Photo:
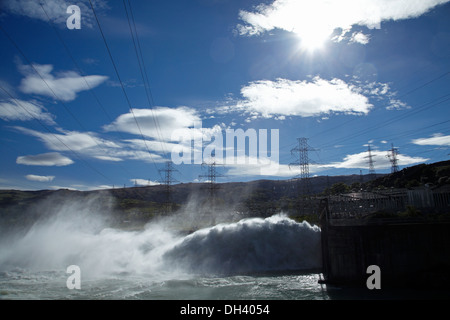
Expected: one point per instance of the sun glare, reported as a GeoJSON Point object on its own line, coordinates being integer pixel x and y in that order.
{"type": "Point", "coordinates": [313, 27]}
{"type": "Point", "coordinates": [313, 39]}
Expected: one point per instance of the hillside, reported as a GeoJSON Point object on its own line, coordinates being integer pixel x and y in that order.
{"type": "Point", "coordinates": [434, 174]}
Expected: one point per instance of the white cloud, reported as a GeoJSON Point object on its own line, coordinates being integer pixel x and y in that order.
{"type": "Point", "coordinates": [157, 146]}
{"type": "Point", "coordinates": [264, 167]}
{"type": "Point", "coordinates": [44, 159]}
{"type": "Point", "coordinates": [64, 187]}
{"type": "Point", "coordinates": [395, 104]}
{"type": "Point", "coordinates": [158, 123]}
{"type": "Point", "coordinates": [282, 97]}
{"type": "Point", "coordinates": [359, 37]}
{"type": "Point", "coordinates": [144, 182]}
{"type": "Point", "coordinates": [55, 9]}
{"type": "Point", "coordinates": [302, 98]}
{"type": "Point", "coordinates": [33, 177]}
{"type": "Point", "coordinates": [82, 187]}
{"type": "Point", "coordinates": [249, 170]}
{"type": "Point", "coordinates": [139, 155]}
{"type": "Point", "coordinates": [321, 18]}
{"type": "Point", "coordinates": [11, 110]}
{"type": "Point", "coordinates": [355, 37]}
{"type": "Point", "coordinates": [108, 158]}
{"type": "Point", "coordinates": [375, 89]}
{"type": "Point", "coordinates": [360, 161]}
{"type": "Point", "coordinates": [167, 130]}
{"type": "Point", "coordinates": [73, 140]}
{"type": "Point", "coordinates": [437, 139]}
{"type": "Point", "coordinates": [89, 144]}
{"type": "Point", "coordinates": [64, 86]}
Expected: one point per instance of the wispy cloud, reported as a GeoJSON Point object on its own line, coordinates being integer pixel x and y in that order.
{"type": "Point", "coordinates": [64, 86]}
{"type": "Point", "coordinates": [88, 144]}
{"type": "Point", "coordinates": [68, 140]}
{"type": "Point", "coordinates": [44, 159]}
{"type": "Point", "coordinates": [437, 139]}
{"type": "Point", "coordinates": [158, 123]}
{"type": "Point", "coordinates": [395, 104]}
{"type": "Point", "coordinates": [157, 146]}
{"type": "Point", "coordinates": [108, 158]}
{"type": "Point", "coordinates": [360, 161]}
{"type": "Point", "coordinates": [11, 110]}
{"type": "Point", "coordinates": [322, 17]}
{"type": "Point", "coordinates": [163, 128]}
{"type": "Point", "coordinates": [33, 177]}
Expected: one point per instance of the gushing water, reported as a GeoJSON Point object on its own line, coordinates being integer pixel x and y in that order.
{"type": "Point", "coordinates": [76, 235]}
{"type": "Point", "coordinates": [249, 246]}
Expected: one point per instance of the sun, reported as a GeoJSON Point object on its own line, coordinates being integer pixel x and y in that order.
{"type": "Point", "coordinates": [313, 39]}
{"type": "Point", "coordinates": [313, 25]}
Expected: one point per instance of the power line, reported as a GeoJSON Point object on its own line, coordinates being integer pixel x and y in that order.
{"type": "Point", "coordinates": [86, 82]}
{"type": "Point", "coordinates": [86, 132]}
{"type": "Point", "coordinates": [76, 64]}
{"type": "Point", "coordinates": [412, 131]}
{"type": "Point", "coordinates": [424, 85]}
{"type": "Point", "coordinates": [121, 83]}
{"type": "Point", "coordinates": [401, 96]}
{"type": "Point", "coordinates": [143, 70]}
{"type": "Point", "coordinates": [421, 108]}
{"type": "Point", "coordinates": [42, 78]}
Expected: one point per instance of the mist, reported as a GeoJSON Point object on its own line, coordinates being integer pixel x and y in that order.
{"type": "Point", "coordinates": [80, 231]}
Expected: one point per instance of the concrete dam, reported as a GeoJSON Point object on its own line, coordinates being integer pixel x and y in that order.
{"type": "Point", "coordinates": [411, 252]}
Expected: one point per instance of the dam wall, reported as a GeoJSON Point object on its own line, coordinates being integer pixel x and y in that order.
{"type": "Point", "coordinates": [409, 254]}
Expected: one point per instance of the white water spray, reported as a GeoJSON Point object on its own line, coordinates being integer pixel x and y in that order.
{"type": "Point", "coordinates": [76, 235]}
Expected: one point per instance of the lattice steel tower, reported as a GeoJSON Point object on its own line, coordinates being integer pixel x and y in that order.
{"type": "Point", "coordinates": [167, 180]}
{"type": "Point", "coordinates": [392, 155]}
{"type": "Point", "coordinates": [371, 162]}
{"type": "Point", "coordinates": [301, 151]}
{"type": "Point", "coordinates": [211, 177]}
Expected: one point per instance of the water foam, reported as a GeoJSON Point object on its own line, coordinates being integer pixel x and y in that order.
{"type": "Point", "coordinates": [251, 245]}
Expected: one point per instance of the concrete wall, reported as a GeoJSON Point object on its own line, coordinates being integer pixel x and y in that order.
{"type": "Point", "coordinates": [411, 255]}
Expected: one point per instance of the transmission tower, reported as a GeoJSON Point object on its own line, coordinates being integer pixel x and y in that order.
{"type": "Point", "coordinates": [167, 180]}
{"type": "Point", "coordinates": [371, 162]}
{"type": "Point", "coordinates": [392, 155]}
{"type": "Point", "coordinates": [301, 152]}
{"type": "Point", "coordinates": [211, 176]}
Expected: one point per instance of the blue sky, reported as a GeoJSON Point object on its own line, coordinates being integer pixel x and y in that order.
{"type": "Point", "coordinates": [343, 74]}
